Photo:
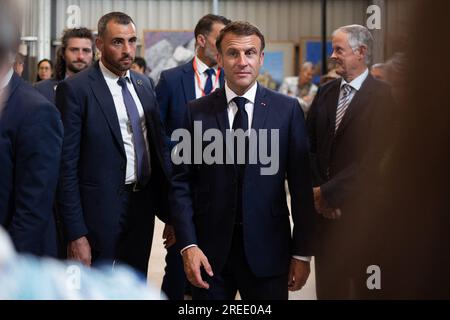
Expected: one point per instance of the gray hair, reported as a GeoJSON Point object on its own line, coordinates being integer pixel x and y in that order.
{"type": "Point", "coordinates": [307, 65]}
{"type": "Point", "coordinates": [358, 36]}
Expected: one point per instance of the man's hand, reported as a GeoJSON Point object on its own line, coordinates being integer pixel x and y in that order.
{"type": "Point", "coordinates": [169, 236]}
{"type": "Point", "coordinates": [322, 207]}
{"type": "Point", "coordinates": [80, 250]}
{"type": "Point", "coordinates": [298, 274]}
{"type": "Point", "coordinates": [193, 259]}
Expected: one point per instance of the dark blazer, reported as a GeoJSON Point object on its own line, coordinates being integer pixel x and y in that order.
{"type": "Point", "coordinates": [31, 135]}
{"type": "Point", "coordinates": [337, 159]}
{"type": "Point", "coordinates": [176, 87]}
{"type": "Point", "coordinates": [94, 161]}
{"type": "Point", "coordinates": [203, 195]}
{"type": "Point", "coordinates": [47, 88]}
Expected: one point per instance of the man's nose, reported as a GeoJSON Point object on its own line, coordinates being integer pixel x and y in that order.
{"type": "Point", "coordinates": [242, 59]}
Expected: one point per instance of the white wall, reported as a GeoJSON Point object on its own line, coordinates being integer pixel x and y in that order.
{"type": "Point", "coordinates": [278, 20]}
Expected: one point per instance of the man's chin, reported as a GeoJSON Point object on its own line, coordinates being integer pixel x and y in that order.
{"type": "Point", "coordinates": [76, 69]}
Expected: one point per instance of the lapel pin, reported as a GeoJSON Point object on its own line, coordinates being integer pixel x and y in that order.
{"type": "Point", "coordinates": [263, 104]}
{"type": "Point", "coordinates": [139, 82]}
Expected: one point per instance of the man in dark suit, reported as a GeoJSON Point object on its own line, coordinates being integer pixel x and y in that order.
{"type": "Point", "coordinates": [75, 54]}
{"type": "Point", "coordinates": [31, 136]}
{"type": "Point", "coordinates": [176, 87]}
{"type": "Point", "coordinates": [340, 126]}
{"type": "Point", "coordinates": [114, 165]}
{"type": "Point", "coordinates": [232, 219]}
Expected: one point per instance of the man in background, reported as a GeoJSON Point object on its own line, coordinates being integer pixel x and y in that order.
{"type": "Point", "coordinates": [176, 87]}
{"type": "Point", "coordinates": [301, 86]}
{"type": "Point", "coordinates": [75, 54]}
{"type": "Point", "coordinates": [340, 126]}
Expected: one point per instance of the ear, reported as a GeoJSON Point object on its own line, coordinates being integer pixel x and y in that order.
{"type": "Point", "coordinates": [99, 44]}
{"type": "Point", "coordinates": [362, 51]}
{"type": "Point", "coordinates": [201, 40]}
{"type": "Point", "coordinates": [262, 58]}
{"type": "Point", "coordinates": [219, 59]}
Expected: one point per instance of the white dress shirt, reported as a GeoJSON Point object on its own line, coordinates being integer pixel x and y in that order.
{"type": "Point", "coordinates": [201, 71]}
{"type": "Point", "coordinates": [250, 95]}
{"type": "Point", "coordinates": [125, 125]}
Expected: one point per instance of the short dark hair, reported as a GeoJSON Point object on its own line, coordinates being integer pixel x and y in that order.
{"type": "Point", "coordinates": [204, 25]}
{"type": "Point", "coordinates": [118, 17]}
{"type": "Point", "coordinates": [140, 62]}
{"type": "Point", "coordinates": [60, 64]}
{"type": "Point", "coordinates": [240, 28]}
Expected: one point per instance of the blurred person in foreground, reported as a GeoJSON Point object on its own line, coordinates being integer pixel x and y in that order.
{"type": "Point", "coordinates": [31, 136]}
{"type": "Point", "coordinates": [405, 226]}
{"type": "Point", "coordinates": [25, 277]}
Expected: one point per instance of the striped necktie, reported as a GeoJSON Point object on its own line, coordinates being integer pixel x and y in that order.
{"type": "Point", "coordinates": [343, 104]}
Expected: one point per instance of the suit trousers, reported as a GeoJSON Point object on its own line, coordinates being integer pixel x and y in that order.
{"type": "Point", "coordinates": [135, 231]}
{"type": "Point", "coordinates": [237, 276]}
{"type": "Point", "coordinates": [174, 281]}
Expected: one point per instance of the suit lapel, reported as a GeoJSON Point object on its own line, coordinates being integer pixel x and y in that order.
{"type": "Point", "coordinates": [331, 104]}
{"type": "Point", "coordinates": [143, 95]}
{"type": "Point", "coordinates": [221, 112]}
{"type": "Point", "coordinates": [103, 95]}
{"type": "Point", "coordinates": [146, 100]}
{"type": "Point", "coordinates": [260, 108]}
{"type": "Point", "coordinates": [361, 99]}
{"type": "Point", "coordinates": [188, 82]}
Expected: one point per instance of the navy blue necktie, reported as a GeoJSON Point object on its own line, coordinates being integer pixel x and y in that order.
{"type": "Point", "coordinates": [209, 84]}
{"type": "Point", "coordinates": [240, 122]}
{"type": "Point", "coordinates": [241, 117]}
{"type": "Point", "coordinates": [143, 163]}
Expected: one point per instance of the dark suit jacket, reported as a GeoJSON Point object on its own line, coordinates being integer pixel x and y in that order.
{"type": "Point", "coordinates": [94, 160]}
{"type": "Point", "coordinates": [341, 167]}
{"type": "Point", "coordinates": [337, 158]}
{"type": "Point", "coordinates": [31, 135]}
{"type": "Point", "coordinates": [47, 88]}
{"type": "Point", "coordinates": [203, 195]}
{"type": "Point", "coordinates": [176, 87]}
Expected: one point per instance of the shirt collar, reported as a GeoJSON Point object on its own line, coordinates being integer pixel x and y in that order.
{"type": "Point", "coordinates": [202, 67]}
{"type": "Point", "coordinates": [250, 95]}
{"type": "Point", "coordinates": [357, 82]}
{"type": "Point", "coordinates": [5, 81]}
{"type": "Point", "coordinates": [109, 75]}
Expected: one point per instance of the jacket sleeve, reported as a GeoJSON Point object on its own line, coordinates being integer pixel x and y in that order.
{"type": "Point", "coordinates": [181, 192]}
{"type": "Point", "coordinates": [38, 151]}
{"type": "Point", "coordinates": [300, 185]}
{"type": "Point", "coordinates": [69, 199]}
